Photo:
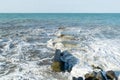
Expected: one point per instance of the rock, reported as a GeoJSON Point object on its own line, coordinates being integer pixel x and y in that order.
{"type": "Point", "coordinates": [57, 55]}
{"type": "Point", "coordinates": [64, 61]}
{"type": "Point", "coordinates": [90, 76]}
{"type": "Point", "coordinates": [57, 66]}
{"type": "Point", "coordinates": [69, 60]}
{"type": "Point", "coordinates": [96, 67]}
{"type": "Point", "coordinates": [101, 75]}
{"type": "Point", "coordinates": [79, 78]}
{"type": "Point", "coordinates": [66, 37]}
{"type": "Point", "coordinates": [111, 75]}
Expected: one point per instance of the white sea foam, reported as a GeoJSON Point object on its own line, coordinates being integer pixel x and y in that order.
{"type": "Point", "coordinates": [98, 51]}
{"type": "Point", "coordinates": [27, 54]}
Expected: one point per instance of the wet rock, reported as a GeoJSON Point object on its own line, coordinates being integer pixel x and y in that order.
{"type": "Point", "coordinates": [64, 61]}
{"type": "Point", "coordinates": [111, 75]}
{"type": "Point", "coordinates": [90, 76]}
{"type": "Point", "coordinates": [57, 55]}
{"type": "Point", "coordinates": [57, 66]}
{"type": "Point", "coordinates": [66, 37]}
{"type": "Point", "coordinates": [79, 78]}
{"type": "Point", "coordinates": [69, 60]}
{"type": "Point", "coordinates": [101, 75]}
{"type": "Point", "coordinates": [96, 67]}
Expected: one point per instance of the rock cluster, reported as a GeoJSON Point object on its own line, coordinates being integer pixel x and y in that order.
{"type": "Point", "coordinates": [64, 61]}
{"type": "Point", "coordinates": [101, 75]}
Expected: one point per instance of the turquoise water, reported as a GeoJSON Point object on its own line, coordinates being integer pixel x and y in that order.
{"type": "Point", "coordinates": [84, 20]}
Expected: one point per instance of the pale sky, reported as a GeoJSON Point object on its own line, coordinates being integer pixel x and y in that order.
{"type": "Point", "coordinates": [60, 6]}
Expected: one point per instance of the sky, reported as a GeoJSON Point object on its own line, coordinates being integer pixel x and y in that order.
{"type": "Point", "coordinates": [59, 6]}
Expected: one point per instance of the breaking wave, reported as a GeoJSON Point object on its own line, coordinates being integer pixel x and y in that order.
{"type": "Point", "coordinates": [27, 48]}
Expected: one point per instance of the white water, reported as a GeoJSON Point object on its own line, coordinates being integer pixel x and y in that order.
{"type": "Point", "coordinates": [91, 49]}
{"type": "Point", "coordinates": [27, 54]}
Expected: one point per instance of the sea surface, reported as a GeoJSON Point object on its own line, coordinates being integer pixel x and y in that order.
{"type": "Point", "coordinates": [28, 42]}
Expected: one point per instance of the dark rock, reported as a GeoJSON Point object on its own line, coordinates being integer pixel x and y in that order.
{"type": "Point", "coordinates": [111, 75]}
{"type": "Point", "coordinates": [79, 78]}
{"type": "Point", "coordinates": [57, 55]}
{"type": "Point", "coordinates": [69, 60]}
{"type": "Point", "coordinates": [97, 67]}
{"type": "Point", "coordinates": [90, 76]}
{"type": "Point", "coordinates": [57, 66]}
{"type": "Point", "coordinates": [63, 60]}
{"type": "Point", "coordinates": [101, 75]}
{"type": "Point", "coordinates": [74, 78]}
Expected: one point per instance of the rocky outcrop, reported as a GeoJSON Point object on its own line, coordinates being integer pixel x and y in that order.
{"type": "Point", "coordinates": [63, 61]}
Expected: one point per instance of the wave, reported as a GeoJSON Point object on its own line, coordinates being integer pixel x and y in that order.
{"type": "Point", "coordinates": [28, 53]}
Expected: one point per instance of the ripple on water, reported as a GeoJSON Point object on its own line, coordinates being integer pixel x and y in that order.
{"type": "Point", "coordinates": [6, 67]}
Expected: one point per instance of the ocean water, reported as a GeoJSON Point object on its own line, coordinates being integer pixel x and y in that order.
{"type": "Point", "coordinates": [28, 42]}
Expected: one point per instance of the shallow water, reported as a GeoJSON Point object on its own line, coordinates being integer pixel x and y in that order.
{"type": "Point", "coordinates": [28, 43]}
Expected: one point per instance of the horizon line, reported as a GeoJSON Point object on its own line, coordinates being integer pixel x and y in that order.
{"type": "Point", "coordinates": [60, 12]}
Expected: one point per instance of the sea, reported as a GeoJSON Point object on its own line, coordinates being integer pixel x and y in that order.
{"type": "Point", "coordinates": [28, 42]}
